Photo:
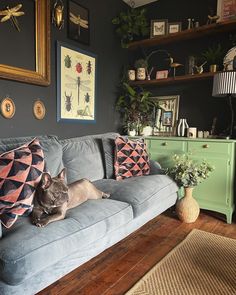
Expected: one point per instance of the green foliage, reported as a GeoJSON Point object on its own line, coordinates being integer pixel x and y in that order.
{"type": "Point", "coordinates": [141, 63]}
{"type": "Point", "coordinates": [131, 24]}
{"type": "Point", "coordinates": [135, 105]}
{"type": "Point", "coordinates": [189, 173]}
{"type": "Point", "coordinates": [214, 55]}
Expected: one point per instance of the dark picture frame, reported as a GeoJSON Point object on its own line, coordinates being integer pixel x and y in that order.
{"type": "Point", "coordinates": [78, 23]}
{"type": "Point", "coordinates": [158, 27]}
{"type": "Point", "coordinates": [174, 27]}
{"type": "Point", "coordinates": [76, 84]}
{"type": "Point", "coordinates": [41, 74]}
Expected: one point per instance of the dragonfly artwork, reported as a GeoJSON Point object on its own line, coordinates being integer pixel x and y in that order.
{"type": "Point", "coordinates": [74, 83]}
{"type": "Point", "coordinates": [11, 14]}
{"type": "Point", "coordinates": [81, 23]}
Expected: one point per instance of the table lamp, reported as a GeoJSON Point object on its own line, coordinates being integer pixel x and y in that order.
{"type": "Point", "coordinates": [224, 85]}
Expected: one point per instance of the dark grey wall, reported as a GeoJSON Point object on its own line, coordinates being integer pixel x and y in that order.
{"type": "Point", "coordinates": [103, 42]}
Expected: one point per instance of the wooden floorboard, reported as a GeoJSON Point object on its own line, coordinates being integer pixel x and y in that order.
{"type": "Point", "coordinates": [117, 269]}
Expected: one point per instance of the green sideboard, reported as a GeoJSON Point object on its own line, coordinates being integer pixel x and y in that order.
{"type": "Point", "coordinates": [217, 192]}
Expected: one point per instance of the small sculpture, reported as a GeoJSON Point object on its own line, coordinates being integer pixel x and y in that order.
{"type": "Point", "coordinates": [198, 69]}
{"type": "Point", "coordinates": [10, 14]}
{"type": "Point", "coordinates": [212, 19]}
{"type": "Point", "coordinates": [57, 14]}
{"type": "Point", "coordinates": [175, 65]}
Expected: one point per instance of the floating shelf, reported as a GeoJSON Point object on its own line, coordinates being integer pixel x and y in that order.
{"type": "Point", "coordinates": [195, 33]}
{"type": "Point", "coordinates": [171, 80]}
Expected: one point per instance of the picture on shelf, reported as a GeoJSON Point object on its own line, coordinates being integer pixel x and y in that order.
{"type": "Point", "coordinates": [226, 9]}
{"type": "Point", "coordinates": [158, 27]}
{"type": "Point", "coordinates": [166, 115]}
{"type": "Point", "coordinates": [174, 27]}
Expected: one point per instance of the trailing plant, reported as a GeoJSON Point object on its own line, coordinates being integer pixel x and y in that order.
{"type": "Point", "coordinates": [189, 173]}
{"type": "Point", "coordinates": [141, 63]}
{"type": "Point", "coordinates": [214, 55]}
{"type": "Point", "coordinates": [130, 24]}
{"type": "Point", "coordinates": [135, 106]}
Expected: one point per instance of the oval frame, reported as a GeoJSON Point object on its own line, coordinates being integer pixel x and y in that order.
{"type": "Point", "coordinates": [8, 114]}
{"type": "Point", "coordinates": [39, 115]}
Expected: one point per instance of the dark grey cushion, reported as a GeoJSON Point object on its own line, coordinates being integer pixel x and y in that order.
{"type": "Point", "coordinates": [109, 156]}
{"type": "Point", "coordinates": [51, 147]}
{"type": "Point", "coordinates": [26, 249]}
{"type": "Point", "coordinates": [141, 192]}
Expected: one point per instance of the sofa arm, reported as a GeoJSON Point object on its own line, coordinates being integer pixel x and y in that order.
{"type": "Point", "coordinates": [155, 168]}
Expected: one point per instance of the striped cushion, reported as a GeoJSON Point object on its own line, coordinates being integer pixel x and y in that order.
{"type": "Point", "coordinates": [131, 158]}
{"type": "Point", "coordinates": [20, 172]}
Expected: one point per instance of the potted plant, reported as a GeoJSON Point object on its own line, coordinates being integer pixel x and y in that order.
{"type": "Point", "coordinates": [214, 56]}
{"type": "Point", "coordinates": [130, 24]}
{"type": "Point", "coordinates": [188, 174]}
{"type": "Point", "coordinates": [141, 66]}
{"type": "Point", "coordinates": [135, 106]}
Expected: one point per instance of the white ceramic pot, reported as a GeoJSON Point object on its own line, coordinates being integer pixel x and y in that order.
{"type": "Point", "coordinates": [141, 74]}
{"type": "Point", "coordinates": [131, 75]}
{"type": "Point", "coordinates": [147, 131]}
{"type": "Point", "coordinates": [131, 132]}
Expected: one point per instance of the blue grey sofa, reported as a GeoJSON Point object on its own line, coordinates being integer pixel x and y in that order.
{"type": "Point", "coordinates": [32, 258]}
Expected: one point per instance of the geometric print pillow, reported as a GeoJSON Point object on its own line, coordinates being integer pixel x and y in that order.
{"type": "Point", "coordinates": [131, 158]}
{"type": "Point", "coordinates": [20, 172]}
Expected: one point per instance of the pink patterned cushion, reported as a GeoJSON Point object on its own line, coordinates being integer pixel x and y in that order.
{"type": "Point", "coordinates": [20, 172]}
{"type": "Point", "coordinates": [131, 158]}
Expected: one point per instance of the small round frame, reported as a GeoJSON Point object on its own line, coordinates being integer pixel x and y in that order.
{"type": "Point", "coordinates": [39, 110]}
{"type": "Point", "coordinates": [8, 108]}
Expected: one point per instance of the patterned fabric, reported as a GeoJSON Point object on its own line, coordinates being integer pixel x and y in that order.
{"type": "Point", "coordinates": [20, 172]}
{"type": "Point", "coordinates": [131, 158]}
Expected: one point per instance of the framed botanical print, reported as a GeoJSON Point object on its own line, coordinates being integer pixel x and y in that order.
{"type": "Point", "coordinates": [166, 115]}
{"type": "Point", "coordinates": [78, 22]}
{"type": "Point", "coordinates": [76, 84]}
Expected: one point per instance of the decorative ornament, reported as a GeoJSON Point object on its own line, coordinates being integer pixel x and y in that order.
{"type": "Point", "coordinates": [7, 108]}
{"type": "Point", "coordinates": [77, 20]}
{"type": "Point", "coordinates": [58, 14]}
{"type": "Point", "coordinates": [10, 14]}
{"type": "Point", "coordinates": [39, 109]}
{"type": "Point", "coordinates": [229, 61]}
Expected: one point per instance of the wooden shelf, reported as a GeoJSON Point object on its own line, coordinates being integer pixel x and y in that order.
{"type": "Point", "coordinates": [195, 33]}
{"type": "Point", "coordinates": [171, 80]}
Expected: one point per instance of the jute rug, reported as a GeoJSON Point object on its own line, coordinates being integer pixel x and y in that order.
{"type": "Point", "coordinates": [203, 263]}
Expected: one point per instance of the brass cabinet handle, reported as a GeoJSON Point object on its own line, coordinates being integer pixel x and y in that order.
{"type": "Point", "coordinates": [206, 146]}
{"type": "Point", "coordinates": [165, 143]}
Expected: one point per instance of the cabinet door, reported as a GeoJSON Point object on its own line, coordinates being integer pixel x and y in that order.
{"type": "Point", "coordinates": [162, 150]}
{"type": "Point", "coordinates": [214, 192]}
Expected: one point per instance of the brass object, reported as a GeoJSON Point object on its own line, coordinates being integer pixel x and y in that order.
{"type": "Point", "coordinates": [198, 69]}
{"type": "Point", "coordinates": [206, 146]}
{"type": "Point", "coordinates": [212, 19]}
{"type": "Point", "coordinates": [8, 108]}
{"type": "Point", "coordinates": [213, 68]}
{"type": "Point", "coordinates": [39, 109]}
{"type": "Point", "coordinates": [58, 14]}
{"type": "Point", "coordinates": [10, 14]}
{"type": "Point", "coordinates": [41, 74]}
{"type": "Point", "coordinates": [165, 144]}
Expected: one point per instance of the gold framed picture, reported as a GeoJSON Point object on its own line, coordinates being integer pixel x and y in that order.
{"type": "Point", "coordinates": [39, 109]}
{"type": "Point", "coordinates": [8, 108]}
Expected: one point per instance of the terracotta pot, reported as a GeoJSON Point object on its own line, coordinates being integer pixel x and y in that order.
{"type": "Point", "coordinates": [213, 68]}
{"type": "Point", "coordinates": [187, 208]}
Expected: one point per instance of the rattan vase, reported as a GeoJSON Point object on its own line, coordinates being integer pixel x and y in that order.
{"type": "Point", "coordinates": [187, 208]}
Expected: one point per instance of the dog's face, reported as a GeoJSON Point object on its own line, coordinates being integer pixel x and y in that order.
{"type": "Point", "coordinates": [53, 192]}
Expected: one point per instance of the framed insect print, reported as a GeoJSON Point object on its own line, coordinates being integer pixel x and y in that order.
{"type": "Point", "coordinates": [166, 115]}
{"type": "Point", "coordinates": [158, 27]}
{"type": "Point", "coordinates": [76, 84]}
{"type": "Point", "coordinates": [78, 23]}
{"type": "Point", "coordinates": [25, 39]}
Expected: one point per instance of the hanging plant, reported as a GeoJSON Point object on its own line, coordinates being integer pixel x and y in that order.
{"type": "Point", "coordinates": [131, 24]}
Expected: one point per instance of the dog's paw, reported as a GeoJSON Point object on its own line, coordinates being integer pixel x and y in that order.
{"type": "Point", "coordinates": [41, 223]}
{"type": "Point", "coordinates": [105, 195]}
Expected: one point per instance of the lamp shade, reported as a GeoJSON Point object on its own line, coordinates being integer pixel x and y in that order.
{"type": "Point", "coordinates": [224, 84]}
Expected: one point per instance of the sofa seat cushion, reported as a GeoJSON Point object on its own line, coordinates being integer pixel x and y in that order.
{"type": "Point", "coordinates": [27, 249]}
{"type": "Point", "coordinates": [141, 192]}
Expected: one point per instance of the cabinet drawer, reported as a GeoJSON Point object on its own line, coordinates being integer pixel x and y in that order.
{"type": "Point", "coordinates": [208, 147]}
{"type": "Point", "coordinates": [168, 145]}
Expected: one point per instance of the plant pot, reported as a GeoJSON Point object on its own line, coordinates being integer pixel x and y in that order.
{"type": "Point", "coordinates": [187, 208]}
{"type": "Point", "coordinates": [141, 74]}
{"type": "Point", "coordinates": [132, 132]}
{"type": "Point", "coordinates": [213, 68]}
{"type": "Point", "coordinates": [147, 131]}
{"type": "Point", "coordinates": [131, 75]}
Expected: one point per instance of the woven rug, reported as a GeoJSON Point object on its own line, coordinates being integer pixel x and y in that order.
{"type": "Point", "coordinates": [203, 263]}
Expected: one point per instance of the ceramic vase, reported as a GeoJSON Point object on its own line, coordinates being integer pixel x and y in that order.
{"type": "Point", "coordinates": [182, 127]}
{"type": "Point", "coordinates": [141, 74]}
{"type": "Point", "coordinates": [187, 208]}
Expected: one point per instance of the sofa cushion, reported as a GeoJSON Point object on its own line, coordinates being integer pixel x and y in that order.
{"type": "Point", "coordinates": [20, 172]}
{"type": "Point", "coordinates": [131, 158]}
{"type": "Point", "coordinates": [51, 147]}
{"type": "Point", "coordinates": [141, 192]}
{"type": "Point", "coordinates": [27, 249]}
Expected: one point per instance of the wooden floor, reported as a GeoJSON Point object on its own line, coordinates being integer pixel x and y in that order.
{"type": "Point", "coordinates": [115, 270]}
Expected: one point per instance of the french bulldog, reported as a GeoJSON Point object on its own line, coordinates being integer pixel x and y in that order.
{"type": "Point", "coordinates": [54, 197]}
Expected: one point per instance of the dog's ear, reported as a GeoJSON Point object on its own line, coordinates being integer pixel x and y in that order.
{"type": "Point", "coordinates": [62, 174]}
{"type": "Point", "coordinates": [46, 180]}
